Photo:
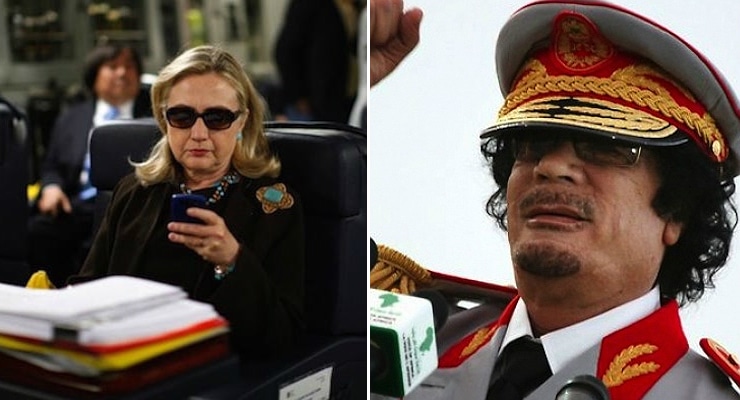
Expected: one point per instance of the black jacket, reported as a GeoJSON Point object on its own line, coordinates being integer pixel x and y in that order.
{"type": "Point", "coordinates": [262, 298]}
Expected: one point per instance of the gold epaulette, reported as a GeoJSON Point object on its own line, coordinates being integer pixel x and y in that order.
{"type": "Point", "coordinates": [397, 273]}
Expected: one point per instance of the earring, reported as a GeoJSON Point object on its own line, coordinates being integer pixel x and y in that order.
{"type": "Point", "coordinates": [239, 136]}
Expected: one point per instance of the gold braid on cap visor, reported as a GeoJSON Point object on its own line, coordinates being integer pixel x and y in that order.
{"type": "Point", "coordinates": [397, 273]}
{"type": "Point", "coordinates": [631, 84]}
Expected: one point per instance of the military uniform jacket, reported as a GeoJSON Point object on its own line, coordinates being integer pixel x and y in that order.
{"type": "Point", "coordinates": [262, 298]}
{"type": "Point", "coordinates": [649, 359]}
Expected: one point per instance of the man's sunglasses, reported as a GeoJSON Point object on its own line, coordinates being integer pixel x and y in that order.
{"type": "Point", "coordinates": [594, 150]}
{"type": "Point", "coordinates": [214, 118]}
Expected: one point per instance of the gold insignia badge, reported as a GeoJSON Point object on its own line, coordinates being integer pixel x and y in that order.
{"type": "Point", "coordinates": [620, 370]}
{"type": "Point", "coordinates": [479, 339]}
{"type": "Point", "coordinates": [578, 44]}
{"type": "Point", "coordinates": [274, 197]}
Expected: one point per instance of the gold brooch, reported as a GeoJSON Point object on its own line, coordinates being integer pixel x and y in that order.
{"type": "Point", "coordinates": [274, 197]}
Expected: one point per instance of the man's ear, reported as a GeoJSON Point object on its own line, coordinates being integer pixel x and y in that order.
{"type": "Point", "coordinates": [672, 232]}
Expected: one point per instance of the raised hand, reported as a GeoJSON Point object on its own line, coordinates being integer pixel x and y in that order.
{"type": "Point", "coordinates": [393, 34]}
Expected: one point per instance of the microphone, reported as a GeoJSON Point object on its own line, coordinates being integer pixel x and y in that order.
{"type": "Point", "coordinates": [403, 344]}
{"type": "Point", "coordinates": [440, 309]}
{"type": "Point", "coordinates": [583, 387]}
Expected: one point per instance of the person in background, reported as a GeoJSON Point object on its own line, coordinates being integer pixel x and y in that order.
{"type": "Point", "coordinates": [60, 228]}
{"type": "Point", "coordinates": [613, 158]}
{"type": "Point", "coordinates": [245, 251]}
{"type": "Point", "coordinates": [316, 60]}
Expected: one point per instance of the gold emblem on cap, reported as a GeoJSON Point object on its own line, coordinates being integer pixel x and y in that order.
{"type": "Point", "coordinates": [578, 44]}
{"type": "Point", "coordinates": [274, 197]}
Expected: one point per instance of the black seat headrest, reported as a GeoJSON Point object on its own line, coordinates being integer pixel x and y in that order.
{"type": "Point", "coordinates": [124, 140]}
{"type": "Point", "coordinates": [324, 164]}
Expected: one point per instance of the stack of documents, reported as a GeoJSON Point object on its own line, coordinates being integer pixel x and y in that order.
{"type": "Point", "coordinates": [95, 331]}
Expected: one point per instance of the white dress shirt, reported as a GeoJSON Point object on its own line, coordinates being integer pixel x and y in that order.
{"type": "Point", "coordinates": [564, 345]}
{"type": "Point", "coordinates": [102, 108]}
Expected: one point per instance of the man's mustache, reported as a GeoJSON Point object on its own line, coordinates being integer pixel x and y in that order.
{"type": "Point", "coordinates": [546, 197]}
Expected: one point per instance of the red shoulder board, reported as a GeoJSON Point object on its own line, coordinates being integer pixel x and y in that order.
{"type": "Point", "coordinates": [726, 361]}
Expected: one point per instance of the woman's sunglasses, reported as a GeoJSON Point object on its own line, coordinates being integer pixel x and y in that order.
{"type": "Point", "coordinates": [214, 118]}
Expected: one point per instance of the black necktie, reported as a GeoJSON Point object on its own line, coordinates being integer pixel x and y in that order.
{"type": "Point", "coordinates": [520, 369]}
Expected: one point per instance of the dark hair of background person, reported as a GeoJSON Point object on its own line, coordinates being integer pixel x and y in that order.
{"type": "Point", "coordinates": [692, 191]}
{"type": "Point", "coordinates": [102, 54]}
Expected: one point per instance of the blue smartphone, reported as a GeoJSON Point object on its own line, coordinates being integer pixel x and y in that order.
{"type": "Point", "coordinates": [181, 202]}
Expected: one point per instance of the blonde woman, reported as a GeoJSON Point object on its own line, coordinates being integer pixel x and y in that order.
{"type": "Point", "coordinates": [243, 251]}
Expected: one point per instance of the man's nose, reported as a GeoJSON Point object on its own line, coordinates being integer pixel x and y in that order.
{"type": "Point", "coordinates": [558, 162]}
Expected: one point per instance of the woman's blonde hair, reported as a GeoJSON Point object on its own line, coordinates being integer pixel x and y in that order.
{"type": "Point", "coordinates": [252, 156]}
